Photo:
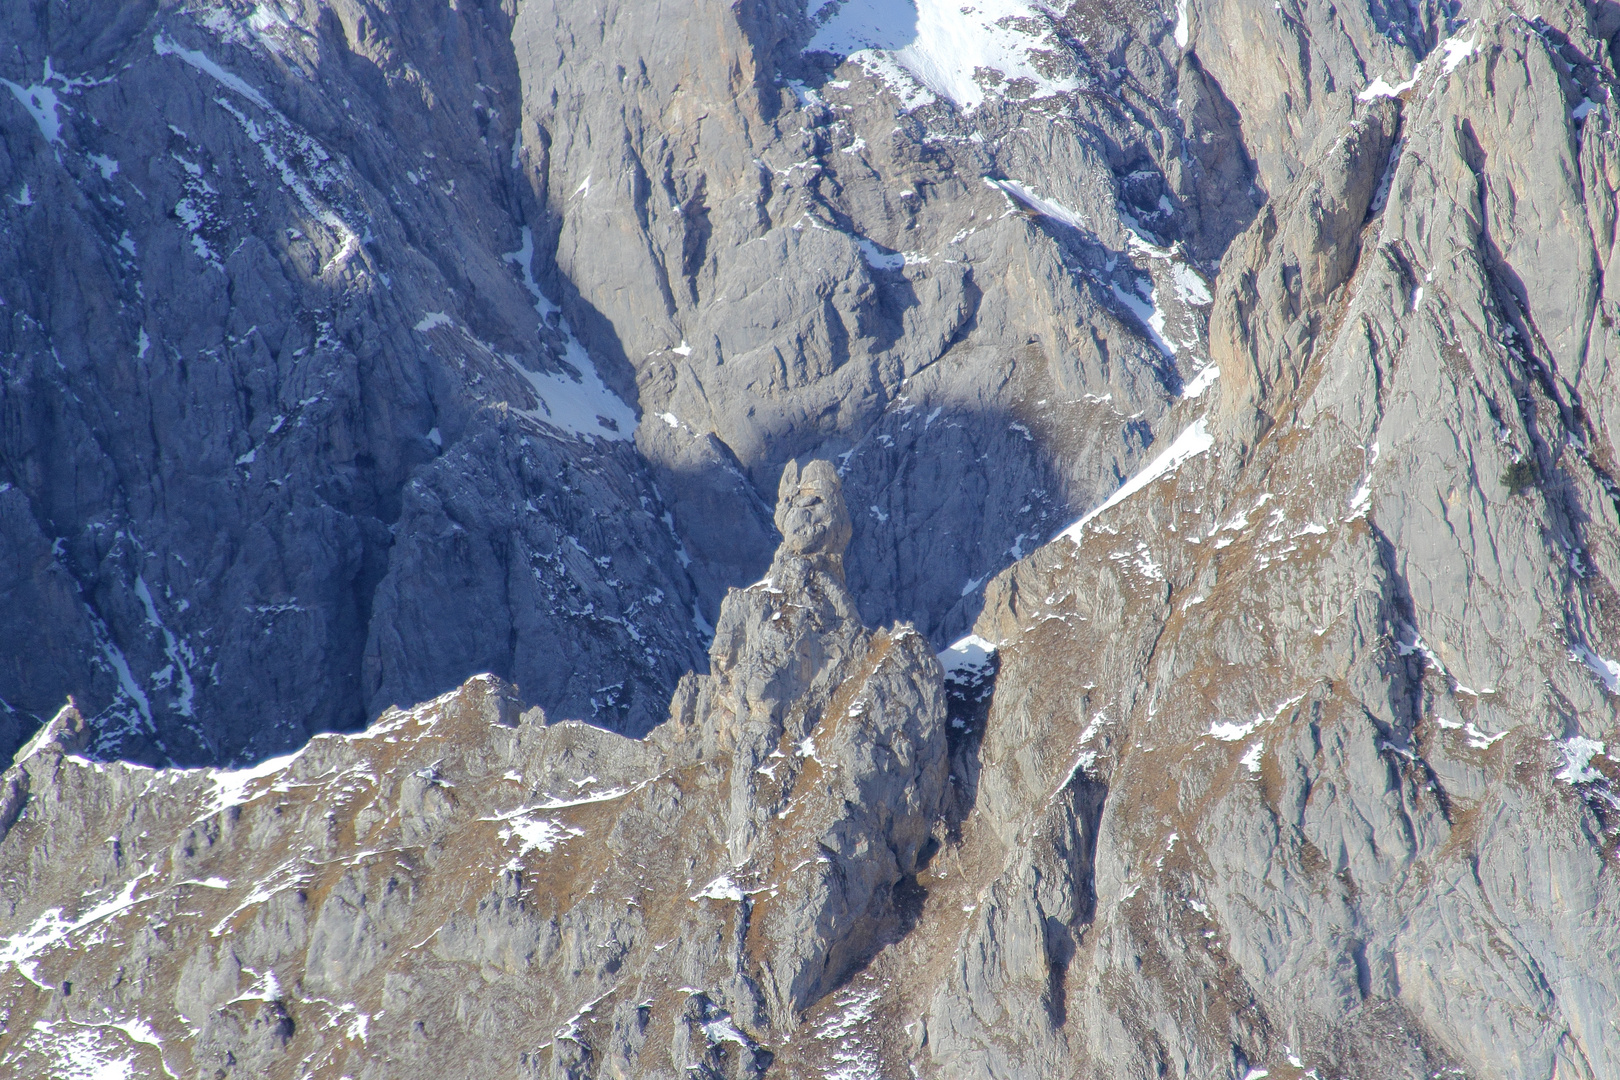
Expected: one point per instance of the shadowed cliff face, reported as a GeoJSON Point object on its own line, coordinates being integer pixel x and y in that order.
{"type": "Point", "coordinates": [1239, 375]}
{"type": "Point", "coordinates": [377, 348]}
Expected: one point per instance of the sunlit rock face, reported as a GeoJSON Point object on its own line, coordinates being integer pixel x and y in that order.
{"type": "Point", "coordinates": [862, 540]}
{"type": "Point", "coordinates": [810, 511]}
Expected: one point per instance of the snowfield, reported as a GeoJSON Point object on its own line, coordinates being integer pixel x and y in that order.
{"type": "Point", "coordinates": [948, 49]}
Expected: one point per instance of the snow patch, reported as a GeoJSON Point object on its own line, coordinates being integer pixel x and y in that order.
{"type": "Point", "coordinates": [1379, 88]}
{"type": "Point", "coordinates": [1606, 670]}
{"type": "Point", "coordinates": [968, 657]}
{"type": "Point", "coordinates": [431, 320]}
{"type": "Point", "coordinates": [280, 143]}
{"type": "Point", "coordinates": [554, 802]}
{"type": "Point", "coordinates": [1025, 199]}
{"type": "Point", "coordinates": [1190, 288]}
{"type": "Point", "coordinates": [191, 215]}
{"type": "Point", "coordinates": [1150, 314]}
{"type": "Point", "coordinates": [961, 52]}
{"type": "Point", "coordinates": [1230, 731]}
{"type": "Point", "coordinates": [1456, 52]}
{"type": "Point", "coordinates": [1578, 753]}
{"type": "Point", "coordinates": [179, 652]}
{"type": "Point", "coordinates": [1227, 731]}
{"type": "Point", "coordinates": [265, 988]}
{"type": "Point", "coordinates": [876, 257]}
{"type": "Point", "coordinates": [80, 1052]}
{"type": "Point", "coordinates": [1202, 380]}
{"type": "Point", "coordinates": [41, 102]}
{"type": "Point", "coordinates": [534, 834]}
{"type": "Point", "coordinates": [164, 47]}
{"type": "Point", "coordinates": [723, 1031]}
{"type": "Point", "coordinates": [23, 949]}
{"type": "Point", "coordinates": [231, 785]}
{"type": "Point", "coordinates": [1195, 440]}
{"type": "Point", "coordinates": [582, 406]}
{"type": "Point", "coordinates": [126, 679]}
{"type": "Point", "coordinates": [721, 888]}
{"type": "Point", "coordinates": [1361, 498]}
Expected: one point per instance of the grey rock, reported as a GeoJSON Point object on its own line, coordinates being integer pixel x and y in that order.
{"type": "Point", "coordinates": [794, 790]}
{"type": "Point", "coordinates": [1294, 757]}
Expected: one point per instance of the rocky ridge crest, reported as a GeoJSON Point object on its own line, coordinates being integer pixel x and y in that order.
{"type": "Point", "coordinates": [679, 902]}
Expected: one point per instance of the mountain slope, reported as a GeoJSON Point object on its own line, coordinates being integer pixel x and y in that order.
{"type": "Point", "coordinates": [1239, 375]}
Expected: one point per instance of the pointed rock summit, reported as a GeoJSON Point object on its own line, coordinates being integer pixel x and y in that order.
{"type": "Point", "coordinates": [810, 513]}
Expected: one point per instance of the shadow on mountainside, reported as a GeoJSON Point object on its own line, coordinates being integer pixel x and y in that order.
{"type": "Point", "coordinates": [276, 501]}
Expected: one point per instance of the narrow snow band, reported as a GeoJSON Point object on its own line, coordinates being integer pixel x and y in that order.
{"type": "Point", "coordinates": [1606, 670]}
{"type": "Point", "coordinates": [1026, 198]}
{"type": "Point", "coordinates": [1188, 445]}
{"type": "Point", "coordinates": [162, 46]}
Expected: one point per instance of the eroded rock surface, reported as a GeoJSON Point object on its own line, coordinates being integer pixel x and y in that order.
{"type": "Point", "coordinates": [1282, 742]}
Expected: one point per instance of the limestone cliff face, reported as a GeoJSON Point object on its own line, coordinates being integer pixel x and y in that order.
{"type": "Point", "coordinates": [1241, 375]}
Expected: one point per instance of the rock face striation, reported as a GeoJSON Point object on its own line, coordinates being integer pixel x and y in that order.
{"type": "Point", "coordinates": [1217, 400]}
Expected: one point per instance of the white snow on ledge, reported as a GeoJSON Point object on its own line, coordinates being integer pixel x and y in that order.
{"type": "Point", "coordinates": [532, 833]}
{"type": "Point", "coordinates": [1188, 445]}
{"type": "Point", "coordinates": [1578, 754]}
{"type": "Point", "coordinates": [1606, 670]}
{"type": "Point", "coordinates": [877, 258]}
{"type": "Point", "coordinates": [41, 102]}
{"type": "Point", "coordinates": [721, 888]}
{"type": "Point", "coordinates": [1456, 52]}
{"type": "Point", "coordinates": [162, 46]}
{"type": "Point", "coordinates": [1025, 199]}
{"type": "Point", "coordinates": [1227, 731]}
{"type": "Point", "coordinates": [970, 655]}
{"type": "Point", "coordinates": [1379, 88]}
{"type": "Point", "coordinates": [942, 48]}
{"type": "Point", "coordinates": [1202, 380]}
{"type": "Point", "coordinates": [1150, 315]}
{"type": "Point", "coordinates": [1453, 51]}
{"type": "Point", "coordinates": [582, 406]}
